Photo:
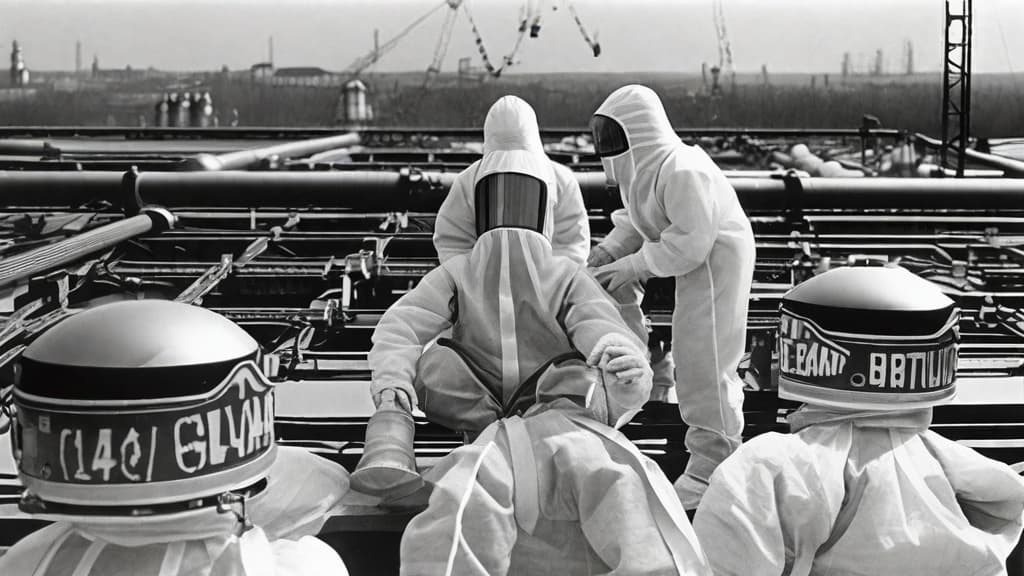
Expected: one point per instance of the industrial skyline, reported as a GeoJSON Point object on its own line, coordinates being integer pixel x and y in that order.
{"type": "Point", "coordinates": [647, 35]}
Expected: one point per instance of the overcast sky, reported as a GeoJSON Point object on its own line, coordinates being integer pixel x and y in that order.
{"type": "Point", "coordinates": [636, 35]}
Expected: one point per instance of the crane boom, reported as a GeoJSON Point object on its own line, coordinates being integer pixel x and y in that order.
{"type": "Point", "coordinates": [365, 61]}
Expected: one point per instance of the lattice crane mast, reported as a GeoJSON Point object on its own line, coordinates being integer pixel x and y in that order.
{"type": "Point", "coordinates": [443, 41]}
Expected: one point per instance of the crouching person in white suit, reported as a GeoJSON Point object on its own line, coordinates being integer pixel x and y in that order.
{"type": "Point", "coordinates": [145, 431]}
{"type": "Point", "coordinates": [559, 490]}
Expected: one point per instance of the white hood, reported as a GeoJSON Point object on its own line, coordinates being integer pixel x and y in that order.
{"type": "Point", "coordinates": [650, 135]}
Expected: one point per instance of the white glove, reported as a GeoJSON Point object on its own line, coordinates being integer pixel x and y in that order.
{"type": "Point", "coordinates": [405, 395]}
{"type": "Point", "coordinates": [627, 376]}
{"type": "Point", "coordinates": [621, 272]}
{"type": "Point", "coordinates": [628, 380]}
{"type": "Point", "coordinates": [599, 256]}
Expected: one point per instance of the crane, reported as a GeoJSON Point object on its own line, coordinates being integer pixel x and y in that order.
{"type": "Point", "coordinates": [442, 42]}
{"type": "Point", "coordinates": [363, 62]}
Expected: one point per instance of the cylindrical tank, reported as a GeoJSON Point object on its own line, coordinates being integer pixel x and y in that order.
{"type": "Point", "coordinates": [195, 109]}
{"type": "Point", "coordinates": [206, 110]}
{"type": "Point", "coordinates": [162, 108]}
{"type": "Point", "coordinates": [184, 109]}
{"type": "Point", "coordinates": [356, 111]}
{"type": "Point", "coordinates": [173, 105]}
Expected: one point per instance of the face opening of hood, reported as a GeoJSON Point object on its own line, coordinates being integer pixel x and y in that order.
{"type": "Point", "coordinates": [609, 136]}
{"type": "Point", "coordinates": [510, 200]}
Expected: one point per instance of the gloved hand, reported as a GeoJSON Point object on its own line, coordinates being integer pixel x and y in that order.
{"type": "Point", "coordinates": [621, 272]}
{"type": "Point", "coordinates": [404, 394]}
{"type": "Point", "coordinates": [628, 377]}
{"type": "Point", "coordinates": [599, 257]}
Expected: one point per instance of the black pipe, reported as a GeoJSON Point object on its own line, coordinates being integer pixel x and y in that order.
{"type": "Point", "coordinates": [288, 133]}
{"type": "Point", "coordinates": [391, 191]}
{"type": "Point", "coordinates": [46, 258]}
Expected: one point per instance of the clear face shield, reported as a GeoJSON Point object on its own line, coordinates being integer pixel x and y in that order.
{"type": "Point", "coordinates": [510, 200]}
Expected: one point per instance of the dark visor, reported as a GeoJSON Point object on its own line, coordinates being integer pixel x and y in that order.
{"type": "Point", "coordinates": [510, 200]}
{"type": "Point", "coordinates": [609, 137]}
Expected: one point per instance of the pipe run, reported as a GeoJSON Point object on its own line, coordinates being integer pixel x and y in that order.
{"type": "Point", "coordinates": [246, 159]}
{"type": "Point", "coordinates": [424, 191]}
{"type": "Point", "coordinates": [45, 258]}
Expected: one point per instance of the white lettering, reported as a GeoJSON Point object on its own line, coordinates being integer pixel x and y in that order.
{"type": "Point", "coordinates": [196, 446]}
{"type": "Point", "coordinates": [217, 449]}
{"type": "Point", "coordinates": [876, 369]}
{"type": "Point", "coordinates": [131, 442]}
{"type": "Point", "coordinates": [64, 434]}
{"type": "Point", "coordinates": [80, 474]}
{"type": "Point", "coordinates": [897, 370]}
{"type": "Point", "coordinates": [101, 457]}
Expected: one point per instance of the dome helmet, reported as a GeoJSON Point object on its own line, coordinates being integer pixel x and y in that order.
{"type": "Point", "coordinates": [868, 338]}
{"type": "Point", "coordinates": [141, 408]}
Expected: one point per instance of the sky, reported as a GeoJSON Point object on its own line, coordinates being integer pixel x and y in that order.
{"type": "Point", "coordinates": [636, 35]}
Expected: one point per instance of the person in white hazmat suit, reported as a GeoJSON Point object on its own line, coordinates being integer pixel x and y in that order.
{"type": "Point", "coordinates": [861, 486]}
{"type": "Point", "coordinates": [514, 309]}
{"type": "Point", "coordinates": [681, 220]}
{"type": "Point", "coordinates": [144, 431]}
{"type": "Point", "coordinates": [511, 127]}
{"type": "Point", "coordinates": [556, 491]}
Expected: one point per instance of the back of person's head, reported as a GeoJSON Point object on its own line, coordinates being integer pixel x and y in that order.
{"type": "Point", "coordinates": [141, 409]}
{"type": "Point", "coordinates": [868, 338]}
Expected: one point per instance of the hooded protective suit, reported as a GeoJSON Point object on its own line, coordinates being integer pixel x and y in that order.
{"type": "Point", "coordinates": [554, 492]}
{"type": "Point", "coordinates": [682, 220]}
{"type": "Point", "coordinates": [860, 493]}
{"type": "Point", "coordinates": [513, 306]}
{"type": "Point", "coordinates": [302, 491]}
{"type": "Point", "coordinates": [511, 126]}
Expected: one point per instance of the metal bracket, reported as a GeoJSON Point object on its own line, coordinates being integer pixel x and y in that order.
{"type": "Point", "coordinates": [207, 282]}
{"type": "Point", "coordinates": [794, 199]}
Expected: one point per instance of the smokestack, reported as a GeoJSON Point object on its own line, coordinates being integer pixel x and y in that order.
{"type": "Point", "coordinates": [910, 58]}
{"type": "Point", "coordinates": [78, 58]}
{"type": "Point", "coordinates": [270, 50]}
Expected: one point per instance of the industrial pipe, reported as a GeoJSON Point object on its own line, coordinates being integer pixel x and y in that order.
{"type": "Point", "coordinates": [291, 133]}
{"type": "Point", "coordinates": [46, 258]}
{"type": "Point", "coordinates": [424, 191]}
{"type": "Point", "coordinates": [245, 159]}
{"type": "Point", "coordinates": [1010, 167]}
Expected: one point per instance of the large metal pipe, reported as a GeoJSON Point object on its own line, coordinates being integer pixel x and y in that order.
{"type": "Point", "coordinates": [245, 159]}
{"type": "Point", "coordinates": [424, 191]}
{"type": "Point", "coordinates": [291, 133]}
{"type": "Point", "coordinates": [1012, 168]}
{"type": "Point", "coordinates": [46, 258]}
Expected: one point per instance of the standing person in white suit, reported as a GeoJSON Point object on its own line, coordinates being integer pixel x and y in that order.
{"type": "Point", "coordinates": [682, 220]}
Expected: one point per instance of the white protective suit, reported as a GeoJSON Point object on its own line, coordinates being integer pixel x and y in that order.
{"type": "Point", "coordinates": [514, 309]}
{"type": "Point", "coordinates": [302, 491]}
{"type": "Point", "coordinates": [511, 125]}
{"type": "Point", "coordinates": [860, 493]}
{"type": "Point", "coordinates": [683, 220]}
{"type": "Point", "coordinates": [553, 492]}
